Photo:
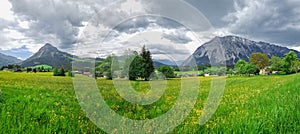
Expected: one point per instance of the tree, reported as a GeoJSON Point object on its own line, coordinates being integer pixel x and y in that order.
{"type": "Point", "coordinates": [243, 67]}
{"type": "Point", "coordinates": [55, 72]}
{"type": "Point", "coordinates": [240, 66]}
{"type": "Point", "coordinates": [62, 71]}
{"type": "Point", "coordinates": [147, 64]}
{"type": "Point", "coordinates": [34, 70]}
{"type": "Point", "coordinates": [105, 68]}
{"type": "Point", "coordinates": [277, 63]}
{"type": "Point", "coordinates": [59, 71]}
{"type": "Point", "coordinates": [70, 73]}
{"type": "Point", "coordinates": [291, 61]}
{"type": "Point", "coordinates": [298, 67]}
{"type": "Point", "coordinates": [230, 71]}
{"type": "Point", "coordinates": [251, 69]}
{"type": "Point", "coordinates": [260, 60]}
{"type": "Point", "coordinates": [136, 68]}
{"type": "Point", "coordinates": [134, 64]}
{"type": "Point", "coordinates": [167, 71]}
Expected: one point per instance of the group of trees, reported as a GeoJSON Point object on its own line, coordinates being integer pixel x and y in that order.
{"type": "Point", "coordinates": [141, 66]}
{"type": "Point", "coordinates": [288, 64]}
{"type": "Point", "coordinates": [243, 67]}
{"type": "Point", "coordinates": [59, 72]}
{"type": "Point", "coordinates": [259, 62]}
{"type": "Point", "coordinates": [133, 66]}
{"type": "Point", "coordinates": [19, 68]}
{"type": "Point", "coordinates": [11, 67]}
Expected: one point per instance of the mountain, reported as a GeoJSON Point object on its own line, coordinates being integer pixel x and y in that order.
{"type": "Point", "coordinates": [234, 48]}
{"type": "Point", "coordinates": [158, 64]}
{"type": "Point", "coordinates": [6, 60]}
{"type": "Point", "coordinates": [167, 62]}
{"type": "Point", "coordinates": [49, 55]}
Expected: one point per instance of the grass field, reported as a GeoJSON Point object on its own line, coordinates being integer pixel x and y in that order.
{"type": "Point", "coordinates": [41, 103]}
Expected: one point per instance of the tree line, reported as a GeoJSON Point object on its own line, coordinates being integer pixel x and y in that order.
{"type": "Point", "coordinates": [134, 65]}
{"type": "Point", "coordinates": [260, 63]}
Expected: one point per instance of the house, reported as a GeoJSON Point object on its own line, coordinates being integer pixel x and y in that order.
{"type": "Point", "coordinates": [265, 71]}
{"type": "Point", "coordinates": [6, 69]}
{"type": "Point", "coordinates": [87, 73]}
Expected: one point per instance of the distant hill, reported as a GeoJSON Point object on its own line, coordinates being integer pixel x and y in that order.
{"type": "Point", "coordinates": [157, 64]}
{"type": "Point", "coordinates": [168, 62]}
{"type": "Point", "coordinates": [49, 55]}
{"type": "Point", "coordinates": [233, 48]}
{"type": "Point", "coordinates": [6, 60]}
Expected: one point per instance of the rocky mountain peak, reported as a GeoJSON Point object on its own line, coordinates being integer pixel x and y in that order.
{"type": "Point", "coordinates": [229, 49]}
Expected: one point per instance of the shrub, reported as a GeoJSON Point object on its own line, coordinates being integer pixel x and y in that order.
{"type": "Point", "coordinates": [59, 72]}
{"type": "Point", "coordinates": [167, 71]}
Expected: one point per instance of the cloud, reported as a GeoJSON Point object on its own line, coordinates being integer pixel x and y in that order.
{"type": "Point", "coordinates": [268, 20]}
{"type": "Point", "coordinates": [48, 17]}
{"type": "Point", "coordinates": [179, 37]}
{"type": "Point", "coordinates": [61, 23]}
{"type": "Point", "coordinates": [180, 12]}
{"type": "Point", "coordinates": [6, 24]}
{"type": "Point", "coordinates": [67, 24]}
{"type": "Point", "coordinates": [214, 10]}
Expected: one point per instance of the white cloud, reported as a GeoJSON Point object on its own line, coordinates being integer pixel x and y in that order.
{"type": "Point", "coordinates": [132, 6]}
{"type": "Point", "coordinates": [296, 48]}
{"type": "Point", "coordinates": [5, 12]}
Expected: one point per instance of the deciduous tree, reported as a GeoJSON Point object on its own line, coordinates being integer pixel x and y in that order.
{"type": "Point", "coordinates": [167, 71]}
{"type": "Point", "coordinates": [291, 61]}
{"type": "Point", "coordinates": [260, 60]}
{"type": "Point", "coordinates": [240, 66]}
{"type": "Point", "coordinates": [276, 63]}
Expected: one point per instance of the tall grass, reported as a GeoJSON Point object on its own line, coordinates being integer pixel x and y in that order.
{"type": "Point", "coordinates": [42, 103]}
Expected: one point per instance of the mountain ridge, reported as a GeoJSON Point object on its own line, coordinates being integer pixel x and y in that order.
{"type": "Point", "coordinates": [50, 55]}
{"type": "Point", "coordinates": [7, 59]}
{"type": "Point", "coordinates": [229, 49]}
{"type": "Point", "coordinates": [218, 51]}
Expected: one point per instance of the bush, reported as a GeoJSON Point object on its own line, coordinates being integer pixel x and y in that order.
{"type": "Point", "coordinates": [59, 72]}
{"type": "Point", "coordinates": [167, 71]}
{"type": "Point", "coordinates": [281, 73]}
{"type": "Point", "coordinates": [70, 73]}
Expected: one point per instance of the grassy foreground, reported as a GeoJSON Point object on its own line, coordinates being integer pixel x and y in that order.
{"type": "Point", "coordinates": [41, 103]}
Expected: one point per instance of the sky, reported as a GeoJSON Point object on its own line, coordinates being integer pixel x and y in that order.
{"type": "Point", "coordinates": [170, 29]}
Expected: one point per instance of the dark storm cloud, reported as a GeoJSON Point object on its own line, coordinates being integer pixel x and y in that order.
{"type": "Point", "coordinates": [213, 10]}
{"type": "Point", "coordinates": [269, 20]}
{"type": "Point", "coordinates": [180, 12]}
{"type": "Point", "coordinates": [273, 21]}
{"type": "Point", "coordinates": [48, 17]}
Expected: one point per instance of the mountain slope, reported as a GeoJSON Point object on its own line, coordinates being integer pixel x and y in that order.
{"type": "Point", "coordinates": [158, 64]}
{"type": "Point", "coordinates": [6, 60]}
{"type": "Point", "coordinates": [230, 49]}
{"type": "Point", "coordinates": [49, 55]}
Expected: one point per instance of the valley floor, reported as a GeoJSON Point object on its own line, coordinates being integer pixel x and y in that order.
{"type": "Point", "coordinates": [42, 103]}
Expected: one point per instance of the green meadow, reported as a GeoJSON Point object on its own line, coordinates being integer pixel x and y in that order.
{"type": "Point", "coordinates": [42, 103]}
